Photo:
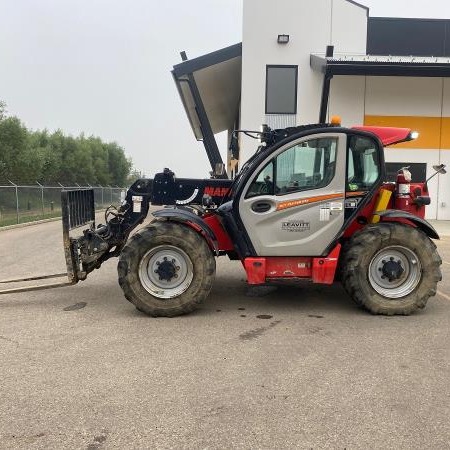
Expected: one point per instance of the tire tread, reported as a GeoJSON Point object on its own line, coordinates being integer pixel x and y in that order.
{"type": "Point", "coordinates": [370, 239]}
{"type": "Point", "coordinates": [176, 234]}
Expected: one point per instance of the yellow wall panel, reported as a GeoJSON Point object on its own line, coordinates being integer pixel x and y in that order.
{"type": "Point", "coordinates": [429, 129]}
{"type": "Point", "coordinates": [445, 137]}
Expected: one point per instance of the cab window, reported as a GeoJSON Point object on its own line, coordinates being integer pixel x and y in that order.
{"type": "Point", "coordinates": [263, 183]}
{"type": "Point", "coordinates": [308, 165]}
{"type": "Point", "coordinates": [363, 166]}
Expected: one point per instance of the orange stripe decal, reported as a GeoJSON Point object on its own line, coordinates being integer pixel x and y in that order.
{"type": "Point", "coordinates": [307, 201]}
{"type": "Point", "coordinates": [355, 194]}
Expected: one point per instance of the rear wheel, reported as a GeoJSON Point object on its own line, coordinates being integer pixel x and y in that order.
{"type": "Point", "coordinates": [166, 269]}
{"type": "Point", "coordinates": [391, 268]}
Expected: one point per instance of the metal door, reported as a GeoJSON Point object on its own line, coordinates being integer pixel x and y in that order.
{"type": "Point", "coordinates": [294, 205]}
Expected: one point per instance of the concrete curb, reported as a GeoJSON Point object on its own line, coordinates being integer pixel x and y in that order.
{"type": "Point", "coordinates": [29, 224]}
{"type": "Point", "coordinates": [37, 222]}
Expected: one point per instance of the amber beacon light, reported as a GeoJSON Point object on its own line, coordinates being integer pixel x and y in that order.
{"type": "Point", "coordinates": [336, 121]}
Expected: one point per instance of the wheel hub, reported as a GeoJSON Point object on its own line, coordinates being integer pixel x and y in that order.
{"type": "Point", "coordinates": [395, 272]}
{"type": "Point", "coordinates": [167, 270]}
{"type": "Point", "coordinates": [392, 269]}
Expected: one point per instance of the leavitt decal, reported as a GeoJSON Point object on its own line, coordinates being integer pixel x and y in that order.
{"type": "Point", "coordinates": [296, 226]}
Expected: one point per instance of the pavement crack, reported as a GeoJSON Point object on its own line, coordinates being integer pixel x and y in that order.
{"type": "Point", "coordinates": [98, 441]}
{"type": "Point", "coordinates": [79, 305]}
{"type": "Point", "coordinates": [257, 332]}
{"type": "Point", "coordinates": [12, 341]}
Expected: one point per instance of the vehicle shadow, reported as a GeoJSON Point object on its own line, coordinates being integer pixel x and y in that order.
{"type": "Point", "coordinates": [306, 297]}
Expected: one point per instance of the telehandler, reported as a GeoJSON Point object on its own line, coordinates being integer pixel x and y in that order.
{"type": "Point", "coordinates": [311, 204]}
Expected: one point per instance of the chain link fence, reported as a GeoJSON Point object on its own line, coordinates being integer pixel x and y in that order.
{"type": "Point", "coordinates": [20, 204]}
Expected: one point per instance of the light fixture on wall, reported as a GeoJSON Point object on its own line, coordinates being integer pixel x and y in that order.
{"type": "Point", "coordinates": [283, 38]}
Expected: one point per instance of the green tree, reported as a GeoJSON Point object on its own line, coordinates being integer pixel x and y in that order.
{"type": "Point", "coordinates": [13, 148]}
{"type": "Point", "coordinates": [118, 165]}
{"type": "Point", "coordinates": [2, 110]}
{"type": "Point", "coordinates": [28, 156]}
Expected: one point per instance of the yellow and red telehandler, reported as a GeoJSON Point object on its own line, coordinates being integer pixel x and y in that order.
{"type": "Point", "coordinates": [311, 204]}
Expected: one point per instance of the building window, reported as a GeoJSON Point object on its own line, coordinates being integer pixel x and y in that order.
{"type": "Point", "coordinates": [418, 171]}
{"type": "Point", "coordinates": [281, 89]}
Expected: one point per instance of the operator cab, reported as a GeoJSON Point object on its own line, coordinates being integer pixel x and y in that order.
{"type": "Point", "coordinates": [297, 195]}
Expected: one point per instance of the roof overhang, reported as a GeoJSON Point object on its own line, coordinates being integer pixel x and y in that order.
{"type": "Point", "coordinates": [359, 5]}
{"type": "Point", "coordinates": [400, 66]}
{"type": "Point", "coordinates": [217, 77]}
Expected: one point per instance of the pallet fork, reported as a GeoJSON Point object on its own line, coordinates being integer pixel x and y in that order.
{"type": "Point", "coordinates": [77, 211]}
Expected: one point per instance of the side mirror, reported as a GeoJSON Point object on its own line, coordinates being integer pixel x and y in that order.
{"type": "Point", "coordinates": [438, 169]}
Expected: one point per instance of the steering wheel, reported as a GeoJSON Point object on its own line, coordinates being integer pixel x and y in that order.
{"type": "Point", "coordinates": [112, 212]}
{"type": "Point", "coordinates": [264, 188]}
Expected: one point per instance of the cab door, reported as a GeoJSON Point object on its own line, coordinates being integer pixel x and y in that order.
{"type": "Point", "coordinates": [294, 204]}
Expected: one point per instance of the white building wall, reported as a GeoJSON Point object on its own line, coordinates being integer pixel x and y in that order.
{"type": "Point", "coordinates": [349, 28]}
{"type": "Point", "coordinates": [417, 101]}
{"type": "Point", "coordinates": [422, 104]}
{"type": "Point", "coordinates": [311, 25]}
{"type": "Point", "coordinates": [347, 98]}
{"type": "Point", "coordinates": [391, 101]}
{"type": "Point", "coordinates": [444, 180]}
{"type": "Point", "coordinates": [404, 96]}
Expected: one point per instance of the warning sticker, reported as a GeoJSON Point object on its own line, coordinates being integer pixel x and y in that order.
{"type": "Point", "coordinates": [324, 214]}
{"type": "Point", "coordinates": [336, 206]}
{"type": "Point", "coordinates": [137, 202]}
{"type": "Point", "coordinates": [351, 204]}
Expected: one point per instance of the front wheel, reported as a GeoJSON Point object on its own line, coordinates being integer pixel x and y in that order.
{"type": "Point", "coordinates": [391, 268]}
{"type": "Point", "coordinates": [166, 269]}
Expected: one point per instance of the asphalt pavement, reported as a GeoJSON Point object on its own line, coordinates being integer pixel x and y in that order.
{"type": "Point", "coordinates": [271, 368]}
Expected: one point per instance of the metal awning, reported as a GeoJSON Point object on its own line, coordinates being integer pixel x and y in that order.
{"type": "Point", "coordinates": [402, 66]}
{"type": "Point", "coordinates": [218, 79]}
{"type": "Point", "coordinates": [210, 89]}
{"type": "Point", "coordinates": [367, 65]}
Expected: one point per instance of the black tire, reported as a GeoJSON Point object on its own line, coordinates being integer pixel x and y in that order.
{"type": "Point", "coordinates": [141, 287]}
{"type": "Point", "coordinates": [364, 260]}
